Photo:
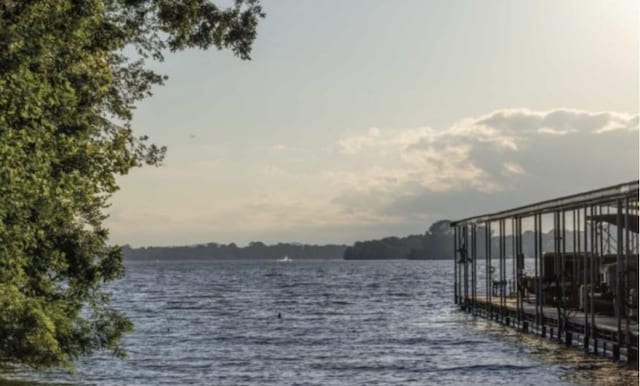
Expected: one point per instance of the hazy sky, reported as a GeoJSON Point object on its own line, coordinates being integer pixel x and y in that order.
{"type": "Point", "coordinates": [362, 119]}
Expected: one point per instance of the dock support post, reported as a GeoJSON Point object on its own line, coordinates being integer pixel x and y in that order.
{"type": "Point", "coordinates": [465, 255]}
{"type": "Point", "coordinates": [474, 274]}
{"type": "Point", "coordinates": [616, 352]}
{"type": "Point", "coordinates": [627, 285]}
{"type": "Point", "coordinates": [514, 263]}
{"type": "Point", "coordinates": [568, 339]}
{"type": "Point", "coordinates": [487, 232]}
{"type": "Point", "coordinates": [501, 266]}
{"type": "Point", "coordinates": [540, 259]}
{"type": "Point", "coordinates": [455, 265]}
{"type": "Point", "coordinates": [562, 320]}
{"type": "Point", "coordinates": [619, 281]}
{"type": "Point", "coordinates": [586, 280]}
{"type": "Point", "coordinates": [632, 355]}
{"type": "Point", "coordinates": [592, 279]}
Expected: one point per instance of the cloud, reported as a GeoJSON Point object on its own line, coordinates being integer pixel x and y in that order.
{"type": "Point", "coordinates": [376, 182]}
{"type": "Point", "coordinates": [558, 120]}
{"type": "Point", "coordinates": [509, 156]}
{"type": "Point", "coordinates": [511, 167]}
{"type": "Point", "coordinates": [356, 143]}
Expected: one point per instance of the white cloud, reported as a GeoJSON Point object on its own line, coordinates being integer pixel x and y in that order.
{"type": "Point", "coordinates": [562, 120]}
{"type": "Point", "coordinates": [511, 167]}
{"type": "Point", "coordinates": [357, 143]}
{"type": "Point", "coordinates": [551, 131]}
{"type": "Point", "coordinates": [507, 153]}
{"type": "Point", "coordinates": [380, 181]}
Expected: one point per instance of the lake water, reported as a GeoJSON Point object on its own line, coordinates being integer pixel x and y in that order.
{"type": "Point", "coordinates": [342, 323]}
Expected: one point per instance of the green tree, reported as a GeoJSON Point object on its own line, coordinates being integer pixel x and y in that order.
{"type": "Point", "coordinates": [64, 81]}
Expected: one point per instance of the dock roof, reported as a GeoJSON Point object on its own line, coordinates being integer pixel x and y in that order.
{"type": "Point", "coordinates": [597, 196]}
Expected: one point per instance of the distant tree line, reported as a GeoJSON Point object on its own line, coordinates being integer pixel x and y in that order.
{"type": "Point", "coordinates": [255, 250]}
{"type": "Point", "coordinates": [435, 243]}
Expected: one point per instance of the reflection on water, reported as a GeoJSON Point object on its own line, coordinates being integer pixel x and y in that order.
{"type": "Point", "coordinates": [342, 323]}
{"type": "Point", "coordinates": [573, 365]}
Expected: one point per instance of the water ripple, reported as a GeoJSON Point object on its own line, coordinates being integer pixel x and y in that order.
{"type": "Point", "coordinates": [341, 323]}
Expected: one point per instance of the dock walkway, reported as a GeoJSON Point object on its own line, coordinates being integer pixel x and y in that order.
{"type": "Point", "coordinates": [601, 339]}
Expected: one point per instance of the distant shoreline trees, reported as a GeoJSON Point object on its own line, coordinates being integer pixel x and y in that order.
{"type": "Point", "coordinates": [436, 243]}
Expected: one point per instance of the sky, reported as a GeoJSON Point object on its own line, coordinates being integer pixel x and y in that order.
{"type": "Point", "coordinates": [357, 120]}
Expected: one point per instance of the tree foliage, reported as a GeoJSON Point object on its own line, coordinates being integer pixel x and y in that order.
{"type": "Point", "coordinates": [64, 80]}
{"type": "Point", "coordinates": [436, 243]}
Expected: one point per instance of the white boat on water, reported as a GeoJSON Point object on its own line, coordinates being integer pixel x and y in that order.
{"type": "Point", "coordinates": [285, 258]}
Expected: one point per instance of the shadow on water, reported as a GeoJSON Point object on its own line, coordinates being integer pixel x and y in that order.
{"type": "Point", "coordinates": [8, 374]}
{"type": "Point", "coordinates": [13, 382]}
{"type": "Point", "coordinates": [571, 364]}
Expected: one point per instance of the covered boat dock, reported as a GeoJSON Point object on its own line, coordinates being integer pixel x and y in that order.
{"type": "Point", "coordinates": [565, 268]}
